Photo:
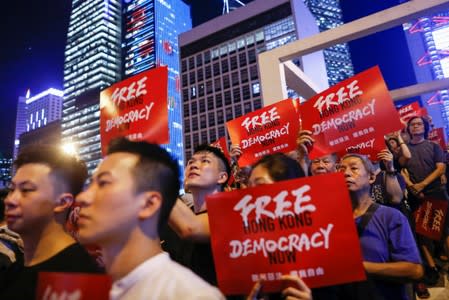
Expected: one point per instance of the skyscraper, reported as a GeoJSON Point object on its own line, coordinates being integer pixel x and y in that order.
{"type": "Point", "coordinates": [219, 71]}
{"type": "Point", "coordinates": [328, 15]}
{"type": "Point", "coordinates": [150, 39]}
{"type": "Point", "coordinates": [109, 40]}
{"type": "Point", "coordinates": [92, 62]}
{"type": "Point", "coordinates": [36, 112]}
{"type": "Point", "coordinates": [428, 40]}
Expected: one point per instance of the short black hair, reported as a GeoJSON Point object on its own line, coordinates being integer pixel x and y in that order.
{"type": "Point", "coordinates": [280, 166]}
{"type": "Point", "coordinates": [66, 167]}
{"type": "Point", "coordinates": [426, 126]}
{"type": "Point", "coordinates": [154, 170]}
{"type": "Point", "coordinates": [217, 153]}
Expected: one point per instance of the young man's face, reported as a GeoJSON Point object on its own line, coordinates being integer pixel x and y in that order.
{"type": "Point", "coordinates": [323, 165]}
{"type": "Point", "coordinates": [356, 175]}
{"type": "Point", "coordinates": [110, 205]}
{"type": "Point", "coordinates": [204, 170]}
{"type": "Point", "coordinates": [30, 203]}
{"type": "Point", "coordinates": [416, 126]}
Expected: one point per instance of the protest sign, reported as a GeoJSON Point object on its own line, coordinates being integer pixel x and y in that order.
{"type": "Point", "coordinates": [430, 217]}
{"type": "Point", "coordinates": [268, 130]}
{"type": "Point", "coordinates": [221, 144]}
{"type": "Point", "coordinates": [302, 227]}
{"type": "Point", "coordinates": [437, 135]}
{"type": "Point", "coordinates": [411, 110]}
{"type": "Point", "coordinates": [350, 114]}
{"type": "Point", "coordinates": [136, 108]}
{"type": "Point", "coordinates": [79, 286]}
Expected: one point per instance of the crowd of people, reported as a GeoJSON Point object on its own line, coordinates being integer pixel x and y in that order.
{"type": "Point", "coordinates": [155, 243]}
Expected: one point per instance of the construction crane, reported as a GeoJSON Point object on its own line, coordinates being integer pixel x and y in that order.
{"type": "Point", "coordinates": [234, 4]}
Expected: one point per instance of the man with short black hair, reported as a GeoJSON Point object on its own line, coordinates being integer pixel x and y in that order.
{"type": "Point", "coordinates": [40, 197]}
{"type": "Point", "coordinates": [206, 173]}
{"type": "Point", "coordinates": [123, 210]}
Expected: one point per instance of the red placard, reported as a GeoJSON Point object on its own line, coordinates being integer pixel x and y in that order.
{"type": "Point", "coordinates": [55, 285]}
{"type": "Point", "coordinates": [302, 227]}
{"type": "Point", "coordinates": [221, 144]}
{"type": "Point", "coordinates": [369, 147]}
{"type": "Point", "coordinates": [265, 131]}
{"type": "Point", "coordinates": [411, 110]}
{"type": "Point", "coordinates": [350, 113]}
{"type": "Point", "coordinates": [136, 108]}
{"type": "Point", "coordinates": [437, 135]}
{"type": "Point", "coordinates": [430, 217]}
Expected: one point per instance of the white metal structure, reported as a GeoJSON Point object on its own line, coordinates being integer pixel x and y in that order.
{"type": "Point", "coordinates": [277, 72]}
{"type": "Point", "coordinates": [226, 5]}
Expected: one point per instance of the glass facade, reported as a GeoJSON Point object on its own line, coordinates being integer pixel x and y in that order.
{"type": "Point", "coordinates": [5, 171]}
{"type": "Point", "coordinates": [328, 15]}
{"type": "Point", "coordinates": [150, 39]}
{"type": "Point", "coordinates": [428, 39]}
{"type": "Point", "coordinates": [36, 112]}
{"type": "Point", "coordinates": [92, 62]}
{"type": "Point", "coordinates": [221, 82]}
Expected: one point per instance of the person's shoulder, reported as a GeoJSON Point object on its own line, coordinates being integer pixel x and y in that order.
{"type": "Point", "coordinates": [188, 283]}
{"type": "Point", "coordinates": [73, 258]}
{"type": "Point", "coordinates": [389, 213]}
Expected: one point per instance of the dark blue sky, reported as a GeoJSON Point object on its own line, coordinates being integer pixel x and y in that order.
{"type": "Point", "coordinates": [32, 52]}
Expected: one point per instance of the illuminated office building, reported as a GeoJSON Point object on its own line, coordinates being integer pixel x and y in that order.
{"type": "Point", "coordinates": [219, 71]}
{"type": "Point", "coordinates": [328, 15]}
{"type": "Point", "coordinates": [428, 39]}
{"type": "Point", "coordinates": [150, 39]}
{"type": "Point", "coordinates": [5, 171]}
{"type": "Point", "coordinates": [36, 112]}
{"type": "Point", "coordinates": [92, 62]}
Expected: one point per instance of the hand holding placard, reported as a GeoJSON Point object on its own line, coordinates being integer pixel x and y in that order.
{"type": "Point", "coordinates": [286, 228]}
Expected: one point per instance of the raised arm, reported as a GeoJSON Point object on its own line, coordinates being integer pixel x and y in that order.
{"type": "Point", "coordinates": [188, 225]}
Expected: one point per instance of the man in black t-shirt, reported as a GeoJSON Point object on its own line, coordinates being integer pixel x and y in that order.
{"type": "Point", "coordinates": [206, 173]}
{"type": "Point", "coordinates": [40, 196]}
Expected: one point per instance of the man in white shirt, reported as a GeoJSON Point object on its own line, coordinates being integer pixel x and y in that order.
{"type": "Point", "coordinates": [123, 210]}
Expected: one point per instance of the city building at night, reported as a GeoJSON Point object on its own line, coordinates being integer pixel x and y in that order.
{"type": "Point", "coordinates": [5, 171]}
{"type": "Point", "coordinates": [428, 40]}
{"type": "Point", "coordinates": [219, 71]}
{"type": "Point", "coordinates": [36, 112]}
{"type": "Point", "coordinates": [92, 63]}
{"type": "Point", "coordinates": [328, 15]}
{"type": "Point", "coordinates": [150, 39]}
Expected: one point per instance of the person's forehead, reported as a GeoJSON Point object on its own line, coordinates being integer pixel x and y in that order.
{"type": "Point", "coordinates": [119, 162]}
{"type": "Point", "coordinates": [32, 170]}
{"type": "Point", "coordinates": [259, 170]}
{"type": "Point", "coordinates": [327, 157]}
{"type": "Point", "coordinates": [351, 160]}
{"type": "Point", "coordinates": [416, 121]}
{"type": "Point", "coordinates": [203, 154]}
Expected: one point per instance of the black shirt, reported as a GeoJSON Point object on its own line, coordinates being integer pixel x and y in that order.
{"type": "Point", "coordinates": [22, 284]}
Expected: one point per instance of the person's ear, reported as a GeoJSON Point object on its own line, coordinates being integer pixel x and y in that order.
{"type": "Point", "coordinates": [151, 203]}
{"type": "Point", "coordinates": [372, 178]}
{"type": "Point", "coordinates": [64, 202]}
{"type": "Point", "coordinates": [222, 177]}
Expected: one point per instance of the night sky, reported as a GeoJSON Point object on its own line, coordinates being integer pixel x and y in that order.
{"type": "Point", "coordinates": [32, 52]}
